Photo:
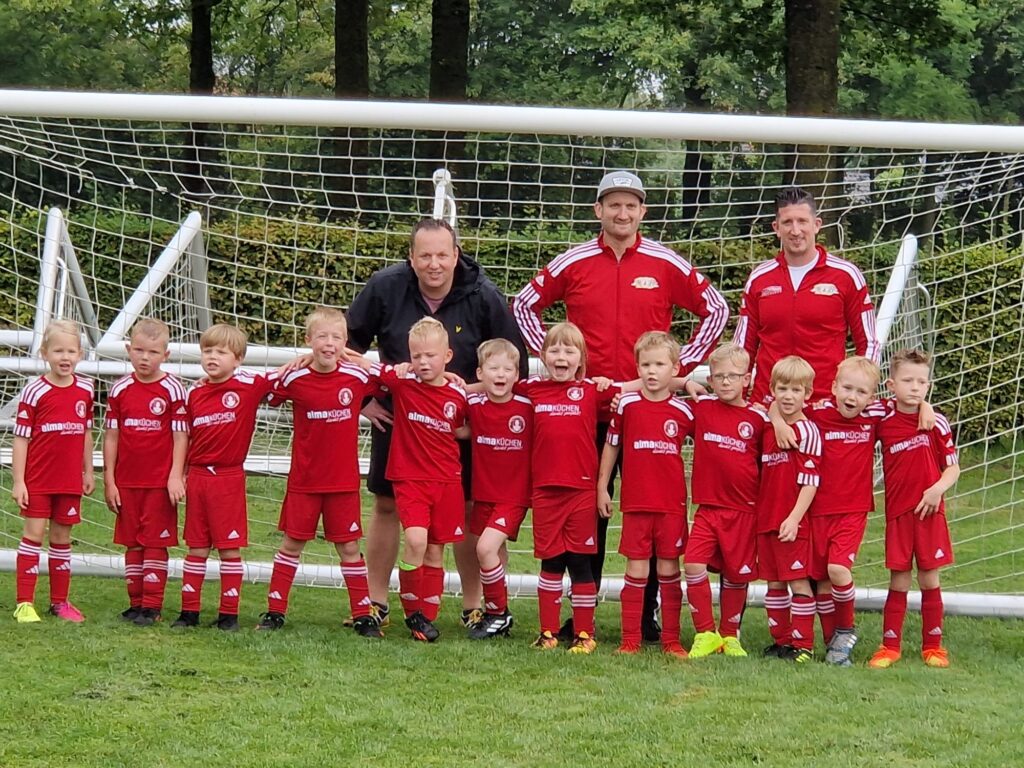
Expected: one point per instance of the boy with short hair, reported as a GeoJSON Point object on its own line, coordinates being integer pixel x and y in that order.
{"type": "Point", "coordinates": [727, 434]}
{"type": "Point", "coordinates": [649, 427]}
{"type": "Point", "coordinates": [221, 414]}
{"type": "Point", "coordinates": [789, 481]}
{"type": "Point", "coordinates": [144, 448]}
{"type": "Point", "coordinates": [323, 482]}
{"type": "Point", "coordinates": [919, 468]}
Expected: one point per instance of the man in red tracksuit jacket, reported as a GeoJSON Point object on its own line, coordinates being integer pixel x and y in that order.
{"type": "Point", "coordinates": [617, 287]}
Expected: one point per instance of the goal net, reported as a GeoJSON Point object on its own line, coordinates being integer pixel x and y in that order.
{"type": "Point", "coordinates": [251, 211]}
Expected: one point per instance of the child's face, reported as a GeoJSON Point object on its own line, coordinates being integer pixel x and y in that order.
{"type": "Point", "coordinates": [853, 390]}
{"type": "Point", "coordinates": [327, 341]}
{"type": "Point", "coordinates": [790, 396]}
{"type": "Point", "coordinates": [219, 363]}
{"type": "Point", "coordinates": [656, 368]}
{"type": "Point", "coordinates": [729, 381]}
{"type": "Point", "coordinates": [429, 355]}
{"type": "Point", "coordinates": [62, 353]}
{"type": "Point", "coordinates": [909, 383]}
{"type": "Point", "coordinates": [562, 361]}
{"type": "Point", "coordinates": [146, 354]}
{"type": "Point", "coordinates": [498, 374]}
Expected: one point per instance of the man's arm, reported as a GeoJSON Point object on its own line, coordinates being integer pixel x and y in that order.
{"type": "Point", "coordinates": [536, 296]}
{"type": "Point", "coordinates": [747, 326]}
{"type": "Point", "coordinates": [692, 291]}
{"type": "Point", "coordinates": [860, 318]}
{"type": "Point", "coordinates": [502, 325]}
{"type": "Point", "coordinates": [363, 317]}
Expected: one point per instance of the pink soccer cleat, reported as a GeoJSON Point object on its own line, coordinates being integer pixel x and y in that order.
{"type": "Point", "coordinates": [67, 612]}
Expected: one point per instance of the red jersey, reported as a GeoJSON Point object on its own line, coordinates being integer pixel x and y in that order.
{"type": "Point", "coordinates": [913, 460]}
{"type": "Point", "coordinates": [784, 473]}
{"type": "Point", "coordinates": [222, 418]}
{"type": "Point", "coordinates": [502, 442]}
{"type": "Point", "coordinates": [615, 301]}
{"type": "Point", "coordinates": [423, 444]}
{"type": "Point", "coordinates": [726, 454]}
{"type": "Point", "coordinates": [565, 430]}
{"type": "Point", "coordinates": [55, 420]}
{"type": "Point", "coordinates": [146, 415]}
{"type": "Point", "coordinates": [325, 408]}
{"type": "Point", "coordinates": [651, 435]}
{"type": "Point", "coordinates": [811, 321]}
{"type": "Point", "coordinates": [847, 458]}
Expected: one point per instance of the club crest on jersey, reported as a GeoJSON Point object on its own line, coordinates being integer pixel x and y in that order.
{"type": "Point", "coordinates": [645, 283]}
{"type": "Point", "coordinates": [745, 429]}
{"type": "Point", "coordinates": [517, 424]}
{"type": "Point", "coordinates": [449, 410]}
{"type": "Point", "coordinates": [229, 400]}
{"type": "Point", "coordinates": [80, 409]}
{"type": "Point", "coordinates": [825, 289]}
{"type": "Point", "coordinates": [771, 290]}
{"type": "Point", "coordinates": [157, 406]}
{"type": "Point", "coordinates": [575, 393]}
{"type": "Point", "coordinates": [345, 396]}
{"type": "Point", "coordinates": [671, 428]}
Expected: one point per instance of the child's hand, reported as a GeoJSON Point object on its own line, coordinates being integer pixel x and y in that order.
{"type": "Point", "coordinates": [602, 383]}
{"type": "Point", "coordinates": [785, 435]}
{"type": "Point", "coordinates": [20, 494]}
{"type": "Point", "coordinates": [175, 488]}
{"type": "Point", "coordinates": [693, 389]}
{"type": "Point", "coordinates": [929, 503]}
{"type": "Point", "coordinates": [463, 433]}
{"type": "Point", "coordinates": [88, 482]}
{"type": "Point", "coordinates": [454, 378]}
{"type": "Point", "coordinates": [789, 529]}
{"type": "Point", "coordinates": [293, 365]}
{"type": "Point", "coordinates": [378, 415]}
{"type": "Point", "coordinates": [604, 503]}
{"type": "Point", "coordinates": [357, 358]}
{"type": "Point", "coordinates": [925, 418]}
{"type": "Point", "coordinates": [112, 495]}
{"type": "Point", "coordinates": [614, 407]}
{"type": "Point", "coordinates": [402, 369]}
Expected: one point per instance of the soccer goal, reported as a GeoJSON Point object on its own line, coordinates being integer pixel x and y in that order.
{"type": "Point", "coordinates": [254, 211]}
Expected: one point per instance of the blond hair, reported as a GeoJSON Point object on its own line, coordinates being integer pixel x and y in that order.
{"type": "Point", "coordinates": [227, 336]}
{"type": "Point", "coordinates": [793, 370]}
{"type": "Point", "coordinates": [863, 365]}
{"type": "Point", "coordinates": [427, 327]}
{"type": "Point", "coordinates": [325, 315]}
{"type": "Point", "coordinates": [909, 356]}
{"type": "Point", "coordinates": [730, 353]}
{"type": "Point", "coordinates": [656, 340]}
{"type": "Point", "coordinates": [495, 347]}
{"type": "Point", "coordinates": [570, 335]}
{"type": "Point", "coordinates": [67, 327]}
{"type": "Point", "coordinates": [150, 328]}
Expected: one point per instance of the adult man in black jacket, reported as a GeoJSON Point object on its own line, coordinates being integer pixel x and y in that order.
{"type": "Point", "coordinates": [439, 281]}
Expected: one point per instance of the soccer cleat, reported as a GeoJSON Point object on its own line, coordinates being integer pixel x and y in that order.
{"type": "Point", "coordinates": [25, 613]}
{"type": "Point", "coordinates": [565, 632]}
{"type": "Point", "coordinates": [147, 617]}
{"type": "Point", "coordinates": [226, 622]}
{"type": "Point", "coordinates": [650, 629]}
{"type": "Point", "coordinates": [491, 625]}
{"type": "Point", "coordinates": [421, 628]}
{"type": "Point", "coordinates": [840, 650]}
{"type": "Point", "coordinates": [705, 644]}
{"type": "Point", "coordinates": [381, 611]}
{"type": "Point", "coordinates": [367, 626]}
{"type": "Point", "coordinates": [67, 612]}
{"type": "Point", "coordinates": [186, 619]}
{"type": "Point", "coordinates": [270, 621]}
{"type": "Point", "coordinates": [884, 658]}
{"type": "Point", "coordinates": [131, 613]}
{"type": "Point", "coordinates": [628, 649]}
{"type": "Point", "coordinates": [935, 657]}
{"type": "Point", "coordinates": [583, 643]}
{"type": "Point", "coordinates": [775, 651]}
{"type": "Point", "coordinates": [675, 649]}
{"type": "Point", "coordinates": [798, 655]}
{"type": "Point", "coordinates": [545, 641]}
{"type": "Point", "coordinates": [731, 647]}
{"type": "Point", "coordinates": [471, 617]}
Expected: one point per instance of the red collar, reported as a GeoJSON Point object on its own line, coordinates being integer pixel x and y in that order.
{"type": "Point", "coordinates": [629, 250]}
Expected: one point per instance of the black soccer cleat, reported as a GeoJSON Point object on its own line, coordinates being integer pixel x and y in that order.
{"type": "Point", "coordinates": [492, 625]}
{"type": "Point", "coordinates": [147, 617]}
{"type": "Point", "coordinates": [270, 621]}
{"type": "Point", "coordinates": [421, 628]}
{"type": "Point", "coordinates": [797, 655]}
{"type": "Point", "coordinates": [226, 622]}
{"type": "Point", "coordinates": [367, 626]}
{"type": "Point", "coordinates": [131, 613]}
{"type": "Point", "coordinates": [566, 632]}
{"type": "Point", "coordinates": [186, 619]}
{"type": "Point", "coordinates": [776, 651]}
{"type": "Point", "coordinates": [471, 617]}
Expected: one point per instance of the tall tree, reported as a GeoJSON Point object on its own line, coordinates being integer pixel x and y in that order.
{"type": "Point", "coordinates": [201, 81]}
{"type": "Point", "coordinates": [351, 49]}
{"type": "Point", "coordinates": [449, 50]}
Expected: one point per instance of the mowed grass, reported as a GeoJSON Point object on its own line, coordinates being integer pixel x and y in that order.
{"type": "Point", "coordinates": [109, 694]}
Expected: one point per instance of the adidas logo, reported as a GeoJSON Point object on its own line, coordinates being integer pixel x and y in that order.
{"type": "Point", "coordinates": [489, 606]}
{"type": "Point", "coordinates": [772, 622]}
{"type": "Point", "coordinates": [937, 631]}
{"type": "Point", "coordinates": [745, 569]}
{"type": "Point", "coordinates": [65, 566]}
{"type": "Point", "coordinates": [500, 521]}
{"type": "Point", "coordinates": [72, 512]}
{"type": "Point", "coordinates": [433, 600]}
{"type": "Point", "coordinates": [889, 634]}
{"type": "Point", "coordinates": [152, 578]}
{"type": "Point", "coordinates": [797, 635]}
{"type": "Point", "coordinates": [590, 541]}
{"type": "Point", "coordinates": [458, 530]}
{"type": "Point", "coordinates": [408, 596]}
{"type": "Point", "coordinates": [939, 552]}
{"type": "Point", "coordinates": [23, 414]}
{"type": "Point", "coordinates": [165, 534]}
{"type": "Point", "coordinates": [275, 595]}
{"type": "Point", "coordinates": [852, 557]}
{"type": "Point", "coordinates": [33, 570]}
{"type": "Point", "coordinates": [364, 601]}
{"type": "Point", "coordinates": [233, 535]}
{"type": "Point", "coordinates": [809, 464]}
{"type": "Point", "coordinates": [796, 566]}
{"type": "Point", "coordinates": [679, 542]}
{"type": "Point", "coordinates": [188, 588]}
{"type": "Point", "coordinates": [230, 593]}
{"type": "Point", "coordinates": [354, 527]}
{"type": "Point", "coordinates": [735, 618]}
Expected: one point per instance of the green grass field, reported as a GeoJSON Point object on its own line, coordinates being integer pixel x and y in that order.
{"type": "Point", "coordinates": [108, 694]}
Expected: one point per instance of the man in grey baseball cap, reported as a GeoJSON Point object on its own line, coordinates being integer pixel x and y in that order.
{"type": "Point", "coordinates": [621, 181]}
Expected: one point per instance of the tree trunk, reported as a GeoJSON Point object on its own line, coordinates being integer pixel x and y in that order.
{"type": "Point", "coordinates": [345, 166]}
{"type": "Point", "coordinates": [201, 80]}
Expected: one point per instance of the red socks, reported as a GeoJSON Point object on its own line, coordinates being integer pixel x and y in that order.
{"type": "Point", "coordinates": [154, 577]}
{"type": "Point", "coordinates": [584, 603]}
{"type": "Point", "coordinates": [231, 572]}
{"type": "Point", "coordinates": [803, 611]}
{"type": "Point", "coordinates": [60, 572]}
{"type": "Point", "coordinates": [843, 597]}
{"type": "Point", "coordinates": [193, 572]}
{"type": "Point", "coordinates": [776, 603]}
{"type": "Point", "coordinates": [827, 616]}
{"type": "Point", "coordinates": [931, 618]}
{"type": "Point", "coordinates": [432, 587]}
{"type": "Point", "coordinates": [549, 601]}
{"type": "Point", "coordinates": [671, 588]}
{"type": "Point", "coordinates": [354, 574]}
{"type": "Point", "coordinates": [733, 598]}
{"type": "Point", "coordinates": [410, 585]}
{"type": "Point", "coordinates": [27, 563]}
{"type": "Point", "coordinates": [892, 619]}
{"type": "Point", "coordinates": [632, 601]}
{"type": "Point", "coordinates": [133, 576]}
{"type": "Point", "coordinates": [495, 589]}
{"type": "Point", "coordinates": [698, 593]}
{"type": "Point", "coordinates": [281, 579]}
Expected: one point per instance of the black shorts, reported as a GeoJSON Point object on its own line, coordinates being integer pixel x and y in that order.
{"type": "Point", "coordinates": [380, 444]}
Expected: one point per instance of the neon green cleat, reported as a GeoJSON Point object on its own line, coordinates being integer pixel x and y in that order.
{"type": "Point", "coordinates": [705, 644]}
{"type": "Point", "coordinates": [731, 647]}
{"type": "Point", "coordinates": [583, 643]}
{"type": "Point", "coordinates": [25, 613]}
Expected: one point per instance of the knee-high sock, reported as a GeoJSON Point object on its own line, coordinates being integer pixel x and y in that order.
{"type": "Point", "coordinates": [60, 572]}
{"type": "Point", "coordinates": [495, 589]}
{"type": "Point", "coordinates": [354, 574]}
{"type": "Point", "coordinates": [549, 601]}
{"type": "Point", "coordinates": [803, 611]}
{"type": "Point", "coordinates": [698, 594]}
{"type": "Point", "coordinates": [843, 596]}
{"type": "Point", "coordinates": [154, 577]}
{"type": "Point", "coordinates": [27, 563]}
{"type": "Point", "coordinates": [776, 603]}
{"type": "Point", "coordinates": [827, 616]}
{"type": "Point", "coordinates": [410, 585]}
{"type": "Point", "coordinates": [671, 607]}
{"type": "Point", "coordinates": [931, 618]}
{"type": "Point", "coordinates": [893, 614]}
{"type": "Point", "coordinates": [433, 586]}
{"type": "Point", "coordinates": [281, 580]}
{"type": "Point", "coordinates": [733, 599]}
{"type": "Point", "coordinates": [584, 603]}
{"type": "Point", "coordinates": [231, 572]}
{"type": "Point", "coordinates": [193, 573]}
{"type": "Point", "coordinates": [133, 577]}
{"type": "Point", "coordinates": [632, 602]}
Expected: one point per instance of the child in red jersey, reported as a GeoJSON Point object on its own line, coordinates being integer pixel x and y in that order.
{"type": "Point", "coordinates": [52, 468]}
{"type": "Point", "coordinates": [221, 414]}
{"type": "Point", "coordinates": [502, 426]}
{"type": "Point", "coordinates": [323, 482]}
{"type": "Point", "coordinates": [789, 481]}
{"type": "Point", "coordinates": [144, 448]}
{"type": "Point", "coordinates": [727, 434]}
{"type": "Point", "coordinates": [649, 427]}
{"type": "Point", "coordinates": [919, 468]}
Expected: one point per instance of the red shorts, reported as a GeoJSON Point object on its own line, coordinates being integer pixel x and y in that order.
{"type": "Point", "coordinates": [507, 518]}
{"type": "Point", "coordinates": [342, 513]}
{"type": "Point", "coordinates": [564, 520]}
{"type": "Point", "coordinates": [909, 540]}
{"type": "Point", "coordinates": [724, 538]}
{"type": "Point", "coordinates": [438, 507]}
{"type": "Point", "coordinates": [215, 511]}
{"type": "Point", "coordinates": [147, 518]}
{"type": "Point", "coordinates": [782, 561]}
{"type": "Point", "coordinates": [61, 508]}
{"type": "Point", "coordinates": [652, 534]}
{"type": "Point", "coordinates": [835, 540]}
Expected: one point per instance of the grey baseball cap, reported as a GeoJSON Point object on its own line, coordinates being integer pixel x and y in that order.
{"type": "Point", "coordinates": [621, 181]}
